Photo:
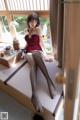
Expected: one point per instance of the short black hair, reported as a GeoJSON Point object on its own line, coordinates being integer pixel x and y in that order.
{"type": "Point", "coordinates": [31, 17]}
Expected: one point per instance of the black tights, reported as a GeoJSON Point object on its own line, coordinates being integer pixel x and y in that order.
{"type": "Point", "coordinates": [35, 60]}
{"type": "Point", "coordinates": [40, 63]}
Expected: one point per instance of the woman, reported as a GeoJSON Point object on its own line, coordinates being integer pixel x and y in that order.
{"type": "Point", "coordinates": [36, 55]}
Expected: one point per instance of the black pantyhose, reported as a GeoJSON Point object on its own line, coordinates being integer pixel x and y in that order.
{"type": "Point", "coordinates": [33, 78]}
{"type": "Point", "coordinates": [40, 63]}
{"type": "Point", "coordinates": [35, 60]}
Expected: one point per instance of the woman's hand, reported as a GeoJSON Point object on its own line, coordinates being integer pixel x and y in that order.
{"type": "Point", "coordinates": [49, 58]}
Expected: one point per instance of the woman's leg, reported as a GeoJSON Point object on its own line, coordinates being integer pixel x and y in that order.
{"type": "Point", "coordinates": [39, 61]}
{"type": "Point", "coordinates": [33, 77]}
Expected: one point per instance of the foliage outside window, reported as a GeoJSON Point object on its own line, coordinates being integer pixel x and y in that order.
{"type": "Point", "coordinates": [4, 21]}
{"type": "Point", "coordinates": [4, 30]}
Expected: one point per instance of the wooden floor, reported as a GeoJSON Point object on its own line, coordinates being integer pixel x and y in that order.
{"type": "Point", "coordinates": [19, 87]}
{"type": "Point", "coordinates": [15, 110]}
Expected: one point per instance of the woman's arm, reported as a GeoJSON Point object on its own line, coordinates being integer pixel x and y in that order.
{"type": "Point", "coordinates": [25, 38]}
{"type": "Point", "coordinates": [47, 58]}
{"type": "Point", "coordinates": [41, 41]}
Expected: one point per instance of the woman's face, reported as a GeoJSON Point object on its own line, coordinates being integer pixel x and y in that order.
{"type": "Point", "coordinates": [32, 23]}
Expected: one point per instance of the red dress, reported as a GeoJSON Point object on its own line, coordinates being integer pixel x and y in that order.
{"type": "Point", "coordinates": [33, 43]}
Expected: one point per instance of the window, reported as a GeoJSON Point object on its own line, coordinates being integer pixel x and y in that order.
{"type": "Point", "coordinates": [18, 27]}
{"type": "Point", "coordinates": [45, 25]}
{"type": "Point", "coordinates": [4, 30]}
{"type": "Point", "coordinates": [20, 24]}
{"type": "Point", "coordinates": [3, 20]}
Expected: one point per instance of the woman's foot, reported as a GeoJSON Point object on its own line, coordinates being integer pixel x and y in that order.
{"type": "Point", "coordinates": [36, 103]}
{"type": "Point", "coordinates": [49, 58]}
{"type": "Point", "coordinates": [51, 93]}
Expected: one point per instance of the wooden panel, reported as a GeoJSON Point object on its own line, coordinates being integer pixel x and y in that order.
{"type": "Point", "coordinates": [60, 32]}
{"type": "Point", "coordinates": [41, 13]}
{"type": "Point", "coordinates": [71, 55]}
{"type": "Point", "coordinates": [53, 20]}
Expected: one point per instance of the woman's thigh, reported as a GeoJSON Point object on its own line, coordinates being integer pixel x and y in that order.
{"type": "Point", "coordinates": [38, 53]}
{"type": "Point", "coordinates": [30, 59]}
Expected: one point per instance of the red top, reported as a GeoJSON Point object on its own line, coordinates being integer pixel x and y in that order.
{"type": "Point", "coordinates": [33, 43]}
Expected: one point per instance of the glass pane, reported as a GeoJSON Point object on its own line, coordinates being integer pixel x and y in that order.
{"type": "Point", "coordinates": [20, 25]}
{"type": "Point", "coordinates": [4, 30]}
{"type": "Point", "coordinates": [4, 21]}
{"type": "Point", "coordinates": [46, 35]}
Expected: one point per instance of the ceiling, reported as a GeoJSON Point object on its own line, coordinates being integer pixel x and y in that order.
{"type": "Point", "coordinates": [24, 5]}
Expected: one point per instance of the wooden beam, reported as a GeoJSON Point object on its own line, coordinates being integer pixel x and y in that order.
{"type": "Point", "coordinates": [25, 13]}
{"type": "Point", "coordinates": [9, 17]}
{"type": "Point", "coordinates": [3, 13]}
{"type": "Point", "coordinates": [60, 33]}
{"type": "Point", "coordinates": [71, 56]}
{"type": "Point", "coordinates": [53, 21]}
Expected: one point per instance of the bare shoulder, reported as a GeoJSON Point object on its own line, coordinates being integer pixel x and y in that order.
{"type": "Point", "coordinates": [38, 30]}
